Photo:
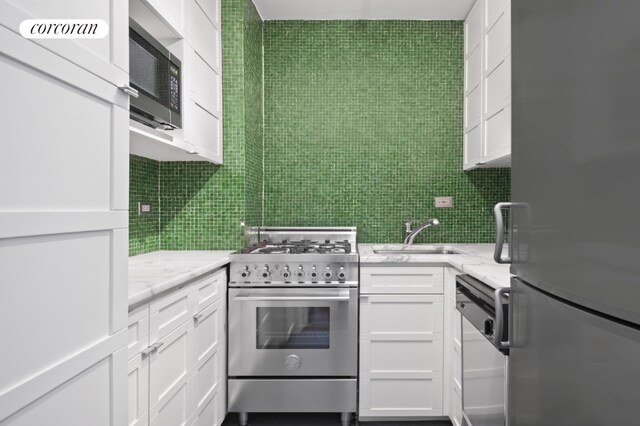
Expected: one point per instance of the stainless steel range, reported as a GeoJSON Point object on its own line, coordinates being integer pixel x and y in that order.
{"type": "Point", "coordinates": [293, 323]}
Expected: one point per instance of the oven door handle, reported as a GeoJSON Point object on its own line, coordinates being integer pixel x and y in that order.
{"type": "Point", "coordinates": [293, 298]}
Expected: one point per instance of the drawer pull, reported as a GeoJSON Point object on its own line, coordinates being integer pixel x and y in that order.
{"type": "Point", "coordinates": [197, 317]}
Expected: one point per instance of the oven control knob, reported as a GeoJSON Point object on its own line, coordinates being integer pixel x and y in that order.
{"type": "Point", "coordinates": [327, 274]}
{"type": "Point", "coordinates": [245, 272]}
{"type": "Point", "coordinates": [314, 273]}
{"type": "Point", "coordinates": [292, 363]}
{"type": "Point", "coordinates": [285, 272]}
{"type": "Point", "coordinates": [341, 274]}
{"type": "Point", "coordinates": [265, 272]}
{"type": "Point", "coordinates": [300, 272]}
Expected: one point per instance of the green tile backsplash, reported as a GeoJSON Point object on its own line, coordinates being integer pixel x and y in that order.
{"type": "Point", "coordinates": [363, 126]}
{"type": "Point", "coordinates": [144, 186]}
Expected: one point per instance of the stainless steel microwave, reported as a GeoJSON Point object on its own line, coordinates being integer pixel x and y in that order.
{"type": "Point", "coordinates": [156, 75]}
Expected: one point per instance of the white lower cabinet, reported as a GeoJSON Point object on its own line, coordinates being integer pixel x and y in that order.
{"type": "Point", "coordinates": [453, 349]}
{"type": "Point", "coordinates": [179, 377]}
{"type": "Point", "coordinates": [401, 343]}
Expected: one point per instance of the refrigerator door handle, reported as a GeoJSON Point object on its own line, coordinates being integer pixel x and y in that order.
{"type": "Point", "coordinates": [497, 214]}
{"type": "Point", "coordinates": [498, 296]}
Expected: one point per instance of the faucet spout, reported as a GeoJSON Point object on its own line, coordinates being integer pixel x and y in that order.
{"type": "Point", "coordinates": [431, 223]}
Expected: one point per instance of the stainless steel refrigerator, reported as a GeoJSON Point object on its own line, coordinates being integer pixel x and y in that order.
{"type": "Point", "coordinates": [575, 219]}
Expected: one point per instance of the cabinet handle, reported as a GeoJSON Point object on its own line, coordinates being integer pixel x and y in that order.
{"type": "Point", "coordinates": [197, 317]}
{"type": "Point", "coordinates": [480, 164]}
{"type": "Point", "coordinates": [130, 91]}
{"type": "Point", "coordinates": [157, 346]}
{"type": "Point", "coordinates": [146, 352]}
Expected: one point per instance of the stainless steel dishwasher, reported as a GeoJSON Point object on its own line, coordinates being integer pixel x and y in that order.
{"type": "Point", "coordinates": [485, 350]}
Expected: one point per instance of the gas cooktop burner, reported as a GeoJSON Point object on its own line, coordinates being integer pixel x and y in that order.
{"type": "Point", "coordinates": [301, 247]}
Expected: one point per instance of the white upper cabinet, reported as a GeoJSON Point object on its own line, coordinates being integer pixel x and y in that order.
{"type": "Point", "coordinates": [487, 85]}
{"type": "Point", "coordinates": [191, 30]}
{"type": "Point", "coordinates": [107, 58]}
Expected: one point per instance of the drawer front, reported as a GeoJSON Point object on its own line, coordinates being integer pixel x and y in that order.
{"type": "Point", "coordinates": [209, 289]}
{"type": "Point", "coordinates": [394, 356]}
{"type": "Point", "coordinates": [138, 330]}
{"type": "Point", "coordinates": [169, 312]}
{"type": "Point", "coordinates": [410, 396]}
{"type": "Point", "coordinates": [401, 315]}
{"type": "Point", "coordinates": [394, 280]}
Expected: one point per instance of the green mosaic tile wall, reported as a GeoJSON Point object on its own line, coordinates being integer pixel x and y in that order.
{"type": "Point", "coordinates": [253, 112]}
{"type": "Point", "coordinates": [363, 126]}
{"type": "Point", "coordinates": [144, 231]}
{"type": "Point", "coordinates": [202, 206]}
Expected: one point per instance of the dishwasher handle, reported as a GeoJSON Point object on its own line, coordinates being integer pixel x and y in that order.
{"type": "Point", "coordinates": [500, 318]}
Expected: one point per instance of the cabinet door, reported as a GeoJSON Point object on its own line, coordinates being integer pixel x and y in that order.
{"type": "Point", "coordinates": [107, 58]}
{"type": "Point", "coordinates": [138, 390]}
{"type": "Point", "coordinates": [207, 377]}
{"type": "Point", "coordinates": [403, 279]}
{"type": "Point", "coordinates": [401, 355]}
{"type": "Point", "coordinates": [168, 372]}
{"type": "Point", "coordinates": [95, 395]}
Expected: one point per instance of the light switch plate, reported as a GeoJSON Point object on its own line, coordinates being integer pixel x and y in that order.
{"type": "Point", "coordinates": [144, 207]}
{"type": "Point", "coordinates": [444, 202]}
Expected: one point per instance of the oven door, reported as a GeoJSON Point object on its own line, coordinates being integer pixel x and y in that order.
{"type": "Point", "coordinates": [293, 332]}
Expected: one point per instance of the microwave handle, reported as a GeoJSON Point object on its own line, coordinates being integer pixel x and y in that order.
{"type": "Point", "coordinates": [130, 91]}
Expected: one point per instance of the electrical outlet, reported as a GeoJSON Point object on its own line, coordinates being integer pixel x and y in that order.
{"type": "Point", "coordinates": [144, 207]}
{"type": "Point", "coordinates": [444, 202]}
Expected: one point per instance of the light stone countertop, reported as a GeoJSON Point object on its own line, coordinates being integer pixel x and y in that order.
{"type": "Point", "coordinates": [473, 259]}
{"type": "Point", "coordinates": [153, 273]}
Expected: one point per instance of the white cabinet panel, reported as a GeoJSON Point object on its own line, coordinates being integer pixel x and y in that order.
{"type": "Point", "coordinates": [497, 134]}
{"type": "Point", "coordinates": [209, 289]}
{"type": "Point", "coordinates": [205, 85]}
{"type": "Point", "coordinates": [107, 57]}
{"type": "Point", "coordinates": [487, 139]}
{"type": "Point", "coordinates": [173, 412]}
{"type": "Point", "coordinates": [212, 412]}
{"type": "Point", "coordinates": [94, 396]}
{"type": "Point", "coordinates": [498, 42]}
{"type": "Point", "coordinates": [204, 131]}
{"type": "Point", "coordinates": [473, 147]}
{"type": "Point", "coordinates": [138, 391]}
{"type": "Point", "coordinates": [498, 89]}
{"type": "Point", "coordinates": [493, 9]}
{"type": "Point", "coordinates": [168, 368]}
{"type": "Point", "coordinates": [70, 163]}
{"type": "Point", "coordinates": [473, 109]}
{"type": "Point", "coordinates": [206, 335]}
{"type": "Point", "coordinates": [171, 11]}
{"type": "Point", "coordinates": [73, 264]}
{"type": "Point", "coordinates": [400, 397]}
{"type": "Point", "coordinates": [212, 9]}
{"type": "Point", "coordinates": [473, 29]}
{"type": "Point", "coordinates": [400, 355]}
{"type": "Point", "coordinates": [394, 280]}
{"type": "Point", "coordinates": [204, 36]}
{"type": "Point", "coordinates": [401, 314]}
{"type": "Point", "coordinates": [169, 312]}
{"type": "Point", "coordinates": [473, 70]}
{"type": "Point", "coordinates": [138, 330]}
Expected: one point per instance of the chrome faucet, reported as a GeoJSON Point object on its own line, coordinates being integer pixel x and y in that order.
{"type": "Point", "coordinates": [411, 234]}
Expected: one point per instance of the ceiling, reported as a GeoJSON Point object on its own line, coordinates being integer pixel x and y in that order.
{"type": "Point", "coordinates": [363, 9]}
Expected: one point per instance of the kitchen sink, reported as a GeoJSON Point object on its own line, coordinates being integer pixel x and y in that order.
{"type": "Point", "coordinates": [403, 250]}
